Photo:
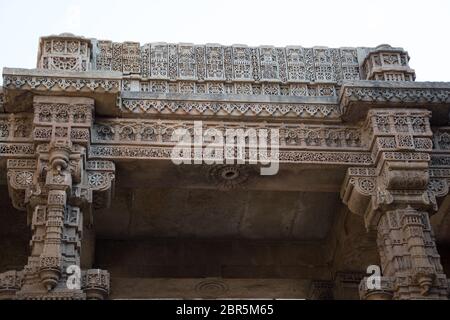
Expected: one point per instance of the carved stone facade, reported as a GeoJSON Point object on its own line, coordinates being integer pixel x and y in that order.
{"type": "Point", "coordinates": [356, 135]}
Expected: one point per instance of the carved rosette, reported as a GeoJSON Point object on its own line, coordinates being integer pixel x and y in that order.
{"type": "Point", "coordinates": [395, 198]}
{"type": "Point", "coordinates": [20, 179]}
{"type": "Point", "coordinates": [101, 177]}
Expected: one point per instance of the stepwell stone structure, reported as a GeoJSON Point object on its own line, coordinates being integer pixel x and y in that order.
{"type": "Point", "coordinates": [92, 207]}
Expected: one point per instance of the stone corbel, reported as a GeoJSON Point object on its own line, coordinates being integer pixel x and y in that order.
{"type": "Point", "coordinates": [101, 178]}
{"type": "Point", "coordinates": [438, 186]}
{"type": "Point", "coordinates": [358, 190]}
{"type": "Point", "coordinates": [20, 173]}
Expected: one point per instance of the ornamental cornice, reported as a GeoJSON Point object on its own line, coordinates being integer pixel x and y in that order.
{"type": "Point", "coordinates": [20, 85]}
{"type": "Point", "coordinates": [356, 97]}
{"type": "Point", "coordinates": [52, 80]}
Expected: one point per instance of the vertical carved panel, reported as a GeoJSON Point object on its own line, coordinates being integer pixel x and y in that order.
{"type": "Point", "coordinates": [350, 65]}
{"type": "Point", "coordinates": [131, 57]}
{"type": "Point", "coordinates": [268, 59]}
{"type": "Point", "coordinates": [186, 61]}
{"type": "Point", "coordinates": [173, 61]}
{"type": "Point", "coordinates": [296, 70]}
{"type": "Point", "coordinates": [323, 65]}
{"type": "Point", "coordinates": [159, 60]}
{"type": "Point", "coordinates": [105, 55]}
{"type": "Point", "coordinates": [242, 63]}
{"type": "Point", "coordinates": [201, 64]}
{"type": "Point", "coordinates": [116, 57]}
{"type": "Point", "coordinates": [215, 62]}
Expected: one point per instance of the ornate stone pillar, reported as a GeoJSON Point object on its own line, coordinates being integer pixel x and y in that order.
{"type": "Point", "coordinates": [58, 190]}
{"type": "Point", "coordinates": [396, 198]}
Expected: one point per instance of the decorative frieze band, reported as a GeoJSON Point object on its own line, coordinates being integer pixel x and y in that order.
{"type": "Point", "coordinates": [310, 111]}
{"type": "Point", "coordinates": [354, 95]}
{"type": "Point", "coordinates": [159, 132]}
{"type": "Point", "coordinates": [57, 80]}
{"type": "Point", "coordinates": [395, 94]}
{"type": "Point", "coordinates": [285, 156]}
{"type": "Point", "coordinates": [228, 63]}
{"type": "Point", "coordinates": [237, 88]}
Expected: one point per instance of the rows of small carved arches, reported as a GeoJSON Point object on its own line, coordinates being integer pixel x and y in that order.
{"type": "Point", "coordinates": [290, 136]}
{"type": "Point", "coordinates": [62, 113]}
{"type": "Point", "coordinates": [402, 123]}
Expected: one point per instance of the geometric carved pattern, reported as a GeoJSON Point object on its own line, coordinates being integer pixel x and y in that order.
{"type": "Point", "coordinates": [113, 152]}
{"type": "Point", "coordinates": [216, 62]}
{"type": "Point", "coordinates": [231, 108]}
{"type": "Point", "coordinates": [389, 64]}
{"type": "Point", "coordinates": [65, 52]}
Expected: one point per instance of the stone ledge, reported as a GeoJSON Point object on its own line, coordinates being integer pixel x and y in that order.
{"type": "Point", "coordinates": [20, 85]}
{"type": "Point", "coordinates": [357, 97]}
